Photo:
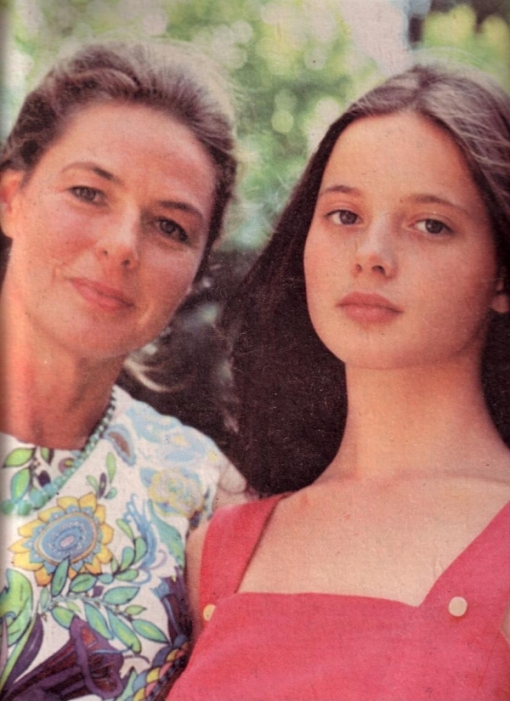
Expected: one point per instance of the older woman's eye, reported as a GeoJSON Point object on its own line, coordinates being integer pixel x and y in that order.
{"type": "Point", "coordinates": [172, 230]}
{"type": "Point", "coordinates": [86, 194]}
{"type": "Point", "coordinates": [434, 227]}
{"type": "Point", "coordinates": [344, 216]}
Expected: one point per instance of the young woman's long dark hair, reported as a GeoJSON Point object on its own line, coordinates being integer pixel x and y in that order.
{"type": "Point", "coordinates": [291, 389]}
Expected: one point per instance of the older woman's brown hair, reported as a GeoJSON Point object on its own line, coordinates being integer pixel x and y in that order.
{"type": "Point", "coordinates": [171, 79]}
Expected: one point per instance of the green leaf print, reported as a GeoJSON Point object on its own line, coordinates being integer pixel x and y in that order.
{"type": "Point", "coordinates": [44, 599]}
{"type": "Point", "coordinates": [123, 632]}
{"type": "Point", "coordinates": [83, 582]}
{"type": "Point", "coordinates": [16, 602]}
{"type": "Point", "coordinates": [120, 595]}
{"type": "Point", "coordinates": [169, 535]}
{"type": "Point", "coordinates": [173, 541]}
{"type": "Point", "coordinates": [93, 483]}
{"type": "Point", "coordinates": [124, 526]}
{"type": "Point", "coordinates": [127, 576]}
{"type": "Point", "coordinates": [59, 578]}
{"type": "Point", "coordinates": [97, 621]}
{"type": "Point", "coordinates": [20, 483]}
{"type": "Point", "coordinates": [140, 548]}
{"type": "Point", "coordinates": [18, 457]}
{"type": "Point", "coordinates": [46, 455]}
{"type": "Point", "coordinates": [128, 557]}
{"type": "Point", "coordinates": [134, 610]}
{"type": "Point", "coordinates": [129, 691]}
{"type": "Point", "coordinates": [111, 466]}
{"type": "Point", "coordinates": [63, 616]}
{"type": "Point", "coordinates": [148, 630]}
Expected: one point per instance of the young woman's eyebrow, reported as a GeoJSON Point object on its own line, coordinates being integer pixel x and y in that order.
{"type": "Point", "coordinates": [344, 189]}
{"type": "Point", "coordinates": [426, 198]}
{"type": "Point", "coordinates": [422, 198]}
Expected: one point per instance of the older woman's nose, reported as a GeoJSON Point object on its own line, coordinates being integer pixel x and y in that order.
{"type": "Point", "coordinates": [120, 242]}
{"type": "Point", "coordinates": [375, 250]}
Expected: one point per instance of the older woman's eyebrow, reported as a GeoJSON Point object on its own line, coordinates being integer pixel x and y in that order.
{"type": "Point", "coordinates": [106, 175]}
{"type": "Point", "coordinates": [87, 165]}
{"type": "Point", "coordinates": [182, 207]}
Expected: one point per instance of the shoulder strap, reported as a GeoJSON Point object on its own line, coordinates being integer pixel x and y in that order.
{"type": "Point", "coordinates": [231, 538]}
{"type": "Point", "coordinates": [481, 574]}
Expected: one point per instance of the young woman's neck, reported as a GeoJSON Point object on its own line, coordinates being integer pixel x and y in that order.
{"type": "Point", "coordinates": [48, 396]}
{"type": "Point", "coordinates": [417, 422]}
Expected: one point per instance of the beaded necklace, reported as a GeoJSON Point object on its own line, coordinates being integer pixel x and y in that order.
{"type": "Point", "coordinates": [37, 498]}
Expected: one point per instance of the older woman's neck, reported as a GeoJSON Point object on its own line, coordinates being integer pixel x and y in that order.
{"type": "Point", "coordinates": [47, 396]}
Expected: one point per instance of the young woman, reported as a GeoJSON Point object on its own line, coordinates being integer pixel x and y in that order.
{"type": "Point", "coordinates": [373, 362]}
{"type": "Point", "coordinates": [113, 186]}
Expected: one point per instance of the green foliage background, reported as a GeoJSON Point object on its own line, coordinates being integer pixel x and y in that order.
{"type": "Point", "coordinates": [296, 64]}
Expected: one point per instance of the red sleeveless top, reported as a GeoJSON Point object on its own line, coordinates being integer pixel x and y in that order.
{"type": "Point", "coordinates": [259, 646]}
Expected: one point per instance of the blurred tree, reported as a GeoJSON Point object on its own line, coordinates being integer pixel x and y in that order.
{"type": "Point", "coordinates": [482, 8]}
{"type": "Point", "coordinates": [295, 62]}
{"type": "Point", "coordinates": [461, 35]}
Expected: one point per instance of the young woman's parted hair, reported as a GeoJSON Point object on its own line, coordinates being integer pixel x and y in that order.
{"type": "Point", "coordinates": [291, 389]}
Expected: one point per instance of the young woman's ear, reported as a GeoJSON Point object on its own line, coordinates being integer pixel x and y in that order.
{"type": "Point", "coordinates": [501, 301]}
{"type": "Point", "coordinates": [10, 184]}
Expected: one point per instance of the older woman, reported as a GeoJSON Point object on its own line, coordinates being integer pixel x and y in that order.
{"type": "Point", "coordinates": [113, 186]}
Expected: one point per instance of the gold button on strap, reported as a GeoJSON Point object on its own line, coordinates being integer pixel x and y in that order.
{"type": "Point", "coordinates": [208, 612]}
{"type": "Point", "coordinates": [458, 606]}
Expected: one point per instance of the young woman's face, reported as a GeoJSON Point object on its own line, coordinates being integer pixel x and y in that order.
{"type": "Point", "coordinates": [400, 265]}
{"type": "Point", "coordinates": [109, 229]}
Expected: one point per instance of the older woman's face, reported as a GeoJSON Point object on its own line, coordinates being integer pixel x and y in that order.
{"type": "Point", "coordinates": [109, 230]}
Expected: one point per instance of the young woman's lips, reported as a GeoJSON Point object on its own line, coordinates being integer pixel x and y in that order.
{"type": "Point", "coordinates": [102, 296]}
{"type": "Point", "coordinates": [368, 308]}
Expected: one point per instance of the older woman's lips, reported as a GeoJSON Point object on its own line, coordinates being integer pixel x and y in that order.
{"type": "Point", "coordinates": [368, 308]}
{"type": "Point", "coordinates": [102, 296]}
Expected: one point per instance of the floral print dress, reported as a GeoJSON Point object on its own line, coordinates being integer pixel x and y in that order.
{"type": "Point", "coordinates": [92, 600]}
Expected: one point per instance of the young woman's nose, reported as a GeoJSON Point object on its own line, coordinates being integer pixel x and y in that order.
{"type": "Point", "coordinates": [120, 241]}
{"type": "Point", "coordinates": [375, 251]}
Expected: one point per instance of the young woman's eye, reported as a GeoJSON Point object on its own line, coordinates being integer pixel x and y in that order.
{"type": "Point", "coordinates": [434, 227]}
{"type": "Point", "coordinates": [344, 217]}
{"type": "Point", "coordinates": [171, 229]}
{"type": "Point", "coordinates": [86, 194]}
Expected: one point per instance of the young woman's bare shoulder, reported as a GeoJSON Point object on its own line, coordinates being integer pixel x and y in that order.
{"type": "Point", "coordinates": [194, 549]}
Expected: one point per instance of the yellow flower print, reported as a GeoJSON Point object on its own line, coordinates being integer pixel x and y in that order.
{"type": "Point", "coordinates": [174, 493]}
{"type": "Point", "coordinates": [75, 529]}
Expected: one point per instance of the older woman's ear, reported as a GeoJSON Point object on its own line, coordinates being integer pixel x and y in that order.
{"type": "Point", "coordinates": [10, 184]}
{"type": "Point", "coordinates": [501, 300]}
